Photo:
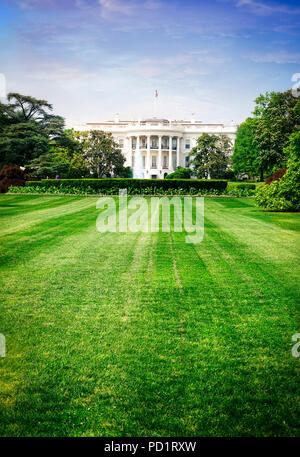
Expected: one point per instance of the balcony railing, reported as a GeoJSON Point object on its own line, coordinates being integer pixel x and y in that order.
{"type": "Point", "coordinates": [164, 147]}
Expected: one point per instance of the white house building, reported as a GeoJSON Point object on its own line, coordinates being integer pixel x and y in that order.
{"type": "Point", "coordinates": [163, 144]}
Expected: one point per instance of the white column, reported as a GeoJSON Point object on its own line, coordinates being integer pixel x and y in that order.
{"type": "Point", "coordinates": [177, 152]}
{"type": "Point", "coordinates": [136, 151]}
{"type": "Point", "coordinates": [159, 153]}
{"type": "Point", "coordinates": [148, 165]}
{"type": "Point", "coordinates": [170, 154]}
{"type": "Point", "coordinates": [131, 151]}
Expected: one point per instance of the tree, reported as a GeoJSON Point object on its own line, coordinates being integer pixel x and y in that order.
{"type": "Point", "coordinates": [123, 172]}
{"type": "Point", "coordinates": [104, 157]}
{"type": "Point", "coordinates": [245, 152]}
{"type": "Point", "coordinates": [210, 157]}
{"type": "Point", "coordinates": [61, 162]}
{"type": "Point", "coordinates": [26, 108]}
{"type": "Point", "coordinates": [49, 166]}
{"type": "Point", "coordinates": [180, 173]}
{"type": "Point", "coordinates": [277, 117]}
{"type": "Point", "coordinates": [27, 128]}
{"type": "Point", "coordinates": [21, 142]}
{"type": "Point", "coordinates": [284, 194]}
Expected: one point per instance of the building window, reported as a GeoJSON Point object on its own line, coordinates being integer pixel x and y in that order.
{"type": "Point", "coordinates": [154, 143]}
{"type": "Point", "coordinates": [153, 161]}
{"type": "Point", "coordinates": [164, 143]}
{"type": "Point", "coordinates": [174, 143]}
{"type": "Point", "coordinates": [144, 143]}
{"type": "Point", "coordinates": [187, 162]}
{"type": "Point", "coordinates": [165, 163]}
{"type": "Point", "coordinates": [187, 143]}
{"type": "Point", "coordinates": [144, 162]}
{"type": "Point", "coordinates": [153, 177]}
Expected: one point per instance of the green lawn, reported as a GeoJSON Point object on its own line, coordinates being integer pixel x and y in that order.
{"type": "Point", "coordinates": [142, 334]}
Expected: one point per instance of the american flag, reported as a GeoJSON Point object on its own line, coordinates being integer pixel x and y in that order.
{"type": "Point", "coordinates": [156, 94]}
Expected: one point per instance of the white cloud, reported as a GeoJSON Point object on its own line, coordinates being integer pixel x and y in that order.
{"type": "Point", "coordinates": [264, 9]}
{"type": "Point", "coordinates": [281, 57]}
{"type": "Point", "coordinates": [111, 8]}
{"type": "Point", "coordinates": [176, 66]}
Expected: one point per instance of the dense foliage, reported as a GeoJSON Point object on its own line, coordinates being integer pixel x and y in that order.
{"type": "Point", "coordinates": [103, 156]}
{"type": "Point", "coordinates": [261, 141]}
{"type": "Point", "coordinates": [276, 175]}
{"type": "Point", "coordinates": [27, 129]}
{"type": "Point", "coordinates": [133, 186]}
{"type": "Point", "coordinates": [210, 156]}
{"type": "Point", "coordinates": [34, 138]}
{"type": "Point", "coordinates": [278, 117]}
{"type": "Point", "coordinates": [284, 194]}
{"type": "Point", "coordinates": [245, 153]}
{"type": "Point", "coordinates": [180, 173]}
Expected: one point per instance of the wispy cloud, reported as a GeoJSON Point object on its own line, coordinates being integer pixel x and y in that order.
{"type": "Point", "coordinates": [176, 66]}
{"type": "Point", "coordinates": [266, 9]}
{"type": "Point", "coordinates": [280, 57]}
{"type": "Point", "coordinates": [111, 8]}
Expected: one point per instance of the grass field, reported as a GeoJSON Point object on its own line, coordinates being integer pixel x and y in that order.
{"type": "Point", "coordinates": [142, 334]}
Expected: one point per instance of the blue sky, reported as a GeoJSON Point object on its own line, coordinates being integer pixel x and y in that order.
{"type": "Point", "coordinates": [93, 58]}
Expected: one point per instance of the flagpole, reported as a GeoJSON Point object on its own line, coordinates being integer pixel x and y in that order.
{"type": "Point", "coordinates": [155, 103]}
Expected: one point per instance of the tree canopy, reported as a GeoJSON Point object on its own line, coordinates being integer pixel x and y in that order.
{"type": "Point", "coordinates": [180, 173]}
{"type": "Point", "coordinates": [210, 157]}
{"type": "Point", "coordinates": [27, 128]}
{"type": "Point", "coordinates": [102, 153]}
{"type": "Point", "coordinates": [277, 116]}
{"type": "Point", "coordinates": [245, 152]}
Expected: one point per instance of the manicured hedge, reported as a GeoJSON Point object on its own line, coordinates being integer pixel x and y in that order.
{"type": "Point", "coordinates": [133, 186]}
{"type": "Point", "coordinates": [242, 185]}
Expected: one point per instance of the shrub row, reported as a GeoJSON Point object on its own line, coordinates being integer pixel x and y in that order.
{"type": "Point", "coordinates": [234, 192]}
{"type": "Point", "coordinates": [133, 186]}
{"type": "Point", "coordinates": [242, 185]}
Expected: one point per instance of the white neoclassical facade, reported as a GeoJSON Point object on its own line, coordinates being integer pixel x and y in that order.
{"type": "Point", "coordinates": [163, 144]}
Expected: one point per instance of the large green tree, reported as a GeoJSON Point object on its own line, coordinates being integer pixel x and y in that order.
{"type": "Point", "coordinates": [210, 156]}
{"type": "Point", "coordinates": [277, 119]}
{"type": "Point", "coordinates": [27, 129]}
{"type": "Point", "coordinates": [20, 142]}
{"type": "Point", "coordinates": [245, 152]}
{"type": "Point", "coordinates": [104, 157]}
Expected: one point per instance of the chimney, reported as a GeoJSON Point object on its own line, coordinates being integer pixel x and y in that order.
{"type": "Point", "coordinates": [193, 118]}
{"type": "Point", "coordinates": [117, 118]}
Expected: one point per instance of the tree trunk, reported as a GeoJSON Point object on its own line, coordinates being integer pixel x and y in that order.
{"type": "Point", "coordinates": [261, 175]}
